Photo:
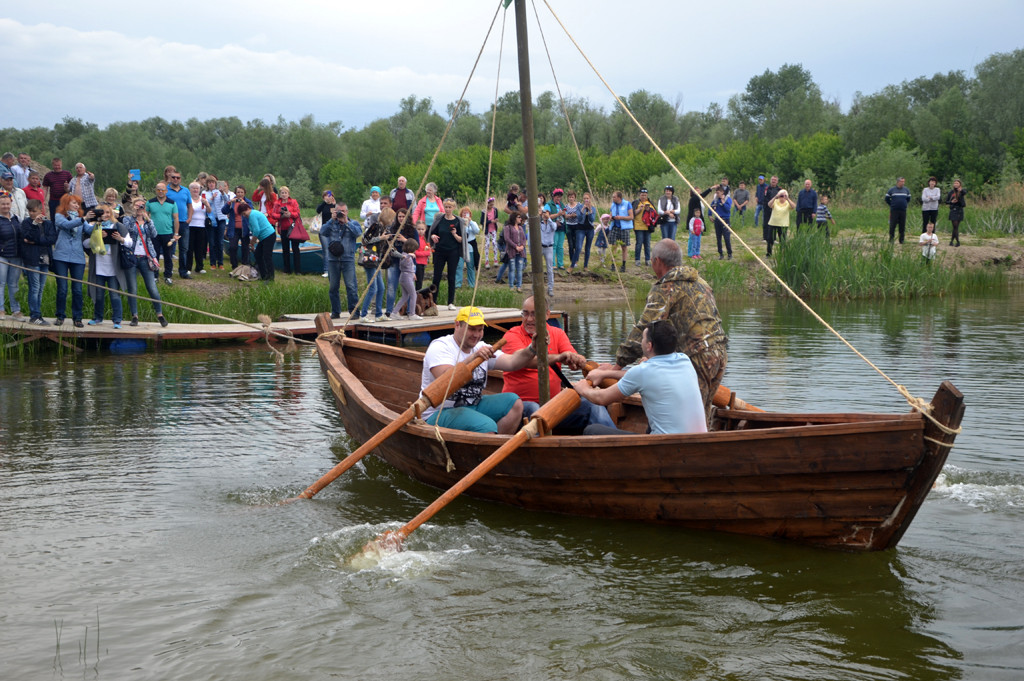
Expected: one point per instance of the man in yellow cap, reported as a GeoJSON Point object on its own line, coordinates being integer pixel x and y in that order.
{"type": "Point", "coordinates": [468, 408]}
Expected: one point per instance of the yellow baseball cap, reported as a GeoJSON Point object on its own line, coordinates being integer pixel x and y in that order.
{"type": "Point", "coordinates": [471, 315]}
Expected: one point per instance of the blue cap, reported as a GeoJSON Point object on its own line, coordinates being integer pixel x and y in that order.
{"type": "Point", "coordinates": [760, 177]}
{"type": "Point", "coordinates": [375, 188]}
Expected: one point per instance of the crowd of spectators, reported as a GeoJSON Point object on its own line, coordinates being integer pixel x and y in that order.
{"type": "Point", "coordinates": [201, 223]}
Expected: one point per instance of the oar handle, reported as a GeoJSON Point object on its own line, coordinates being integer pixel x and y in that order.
{"type": "Point", "coordinates": [436, 393]}
{"type": "Point", "coordinates": [444, 385]}
{"type": "Point", "coordinates": [543, 420]}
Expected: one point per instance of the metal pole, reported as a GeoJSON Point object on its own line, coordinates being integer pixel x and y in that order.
{"type": "Point", "coordinates": [540, 303]}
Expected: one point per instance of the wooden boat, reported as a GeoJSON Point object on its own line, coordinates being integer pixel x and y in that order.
{"type": "Point", "coordinates": [843, 481]}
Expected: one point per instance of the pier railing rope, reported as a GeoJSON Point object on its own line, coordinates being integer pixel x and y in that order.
{"type": "Point", "coordinates": [916, 403]}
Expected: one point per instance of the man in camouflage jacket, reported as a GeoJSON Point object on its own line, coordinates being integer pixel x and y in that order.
{"type": "Point", "coordinates": [682, 297]}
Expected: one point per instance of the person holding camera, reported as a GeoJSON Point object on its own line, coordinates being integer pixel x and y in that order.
{"type": "Point", "coordinates": [285, 215]}
{"type": "Point", "coordinates": [447, 235]}
{"type": "Point", "coordinates": [326, 211]}
{"type": "Point", "coordinates": [339, 235]}
{"type": "Point", "coordinates": [142, 233]}
{"type": "Point", "coordinates": [68, 256]}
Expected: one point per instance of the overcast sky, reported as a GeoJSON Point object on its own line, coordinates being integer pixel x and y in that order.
{"type": "Point", "coordinates": [105, 61]}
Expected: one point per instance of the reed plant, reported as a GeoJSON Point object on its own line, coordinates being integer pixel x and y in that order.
{"type": "Point", "coordinates": [816, 267]}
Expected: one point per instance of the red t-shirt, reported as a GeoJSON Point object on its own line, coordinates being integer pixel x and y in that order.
{"type": "Point", "coordinates": [524, 381]}
{"type": "Point", "coordinates": [31, 193]}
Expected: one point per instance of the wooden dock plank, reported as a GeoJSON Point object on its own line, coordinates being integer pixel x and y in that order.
{"type": "Point", "coordinates": [297, 324]}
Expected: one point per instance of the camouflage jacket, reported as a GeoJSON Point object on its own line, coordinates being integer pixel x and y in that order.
{"type": "Point", "coordinates": [685, 299]}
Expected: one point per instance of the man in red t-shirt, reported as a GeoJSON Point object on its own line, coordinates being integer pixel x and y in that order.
{"type": "Point", "coordinates": [523, 382]}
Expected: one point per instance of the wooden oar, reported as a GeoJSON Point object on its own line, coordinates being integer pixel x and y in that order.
{"type": "Point", "coordinates": [723, 397]}
{"type": "Point", "coordinates": [541, 423]}
{"type": "Point", "coordinates": [434, 394]}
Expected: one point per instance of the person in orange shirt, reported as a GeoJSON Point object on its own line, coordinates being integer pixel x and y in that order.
{"type": "Point", "coordinates": [523, 382]}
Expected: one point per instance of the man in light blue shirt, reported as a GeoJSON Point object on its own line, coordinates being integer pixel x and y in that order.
{"type": "Point", "coordinates": [667, 384]}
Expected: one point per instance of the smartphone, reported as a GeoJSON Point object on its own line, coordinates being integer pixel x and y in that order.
{"type": "Point", "coordinates": [135, 174]}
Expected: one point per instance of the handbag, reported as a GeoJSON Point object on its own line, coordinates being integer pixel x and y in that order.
{"type": "Point", "coordinates": [127, 258]}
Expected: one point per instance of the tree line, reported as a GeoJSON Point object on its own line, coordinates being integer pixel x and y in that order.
{"type": "Point", "coordinates": [948, 125]}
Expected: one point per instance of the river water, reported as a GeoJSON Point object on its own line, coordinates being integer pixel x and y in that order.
{"type": "Point", "coordinates": [140, 540]}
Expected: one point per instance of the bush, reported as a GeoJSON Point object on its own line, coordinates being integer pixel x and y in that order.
{"type": "Point", "coordinates": [868, 176]}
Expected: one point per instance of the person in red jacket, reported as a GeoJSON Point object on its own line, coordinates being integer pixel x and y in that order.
{"type": "Point", "coordinates": [285, 216]}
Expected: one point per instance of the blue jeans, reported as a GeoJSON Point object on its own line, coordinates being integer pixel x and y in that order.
{"type": "Point", "coordinates": [757, 214]}
{"type": "Point", "coordinates": [77, 272]}
{"type": "Point", "coordinates": [334, 286]}
{"type": "Point", "coordinates": [132, 287]}
{"type": "Point", "coordinates": [668, 230]}
{"type": "Point", "coordinates": [323, 254]}
{"type": "Point", "coordinates": [585, 415]}
{"type": "Point", "coordinates": [36, 281]}
{"type": "Point", "coordinates": [643, 239]}
{"type": "Point", "coordinates": [693, 245]}
{"type": "Point", "coordinates": [9, 277]}
{"type": "Point", "coordinates": [470, 272]}
{"type": "Point", "coordinates": [375, 290]}
{"type": "Point", "coordinates": [215, 239]}
{"type": "Point", "coordinates": [115, 300]}
{"type": "Point", "coordinates": [482, 417]}
{"type": "Point", "coordinates": [348, 275]}
{"type": "Point", "coordinates": [559, 247]}
{"type": "Point", "coordinates": [394, 273]}
{"type": "Point", "coordinates": [183, 232]}
{"type": "Point", "coordinates": [581, 236]}
{"type": "Point", "coordinates": [515, 271]}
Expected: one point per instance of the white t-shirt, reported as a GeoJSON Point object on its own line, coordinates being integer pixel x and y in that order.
{"type": "Point", "coordinates": [669, 392]}
{"type": "Point", "coordinates": [445, 351]}
{"type": "Point", "coordinates": [928, 243]}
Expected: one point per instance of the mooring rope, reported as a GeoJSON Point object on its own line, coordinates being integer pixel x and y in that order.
{"type": "Point", "coordinates": [916, 403]}
{"type": "Point", "coordinates": [430, 166]}
{"type": "Point", "coordinates": [450, 465]}
{"type": "Point", "coordinates": [579, 154]}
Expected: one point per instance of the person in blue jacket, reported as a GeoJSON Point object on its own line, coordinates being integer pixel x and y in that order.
{"type": "Point", "coordinates": [898, 198]}
{"type": "Point", "coordinates": [339, 236]}
{"type": "Point", "coordinates": [264, 236]}
{"type": "Point", "coordinates": [38, 234]}
{"type": "Point", "coordinates": [68, 255]}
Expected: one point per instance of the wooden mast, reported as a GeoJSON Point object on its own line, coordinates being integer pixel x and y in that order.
{"type": "Point", "coordinates": [540, 304]}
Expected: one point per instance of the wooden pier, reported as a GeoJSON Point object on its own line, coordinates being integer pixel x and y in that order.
{"type": "Point", "coordinates": [398, 332]}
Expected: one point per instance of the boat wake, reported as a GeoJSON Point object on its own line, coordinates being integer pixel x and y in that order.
{"type": "Point", "coordinates": [988, 491]}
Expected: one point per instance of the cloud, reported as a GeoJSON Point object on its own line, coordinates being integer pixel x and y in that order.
{"type": "Point", "coordinates": [120, 77]}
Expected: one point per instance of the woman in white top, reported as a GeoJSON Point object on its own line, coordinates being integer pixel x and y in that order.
{"type": "Point", "coordinates": [930, 197]}
{"type": "Point", "coordinates": [197, 229]}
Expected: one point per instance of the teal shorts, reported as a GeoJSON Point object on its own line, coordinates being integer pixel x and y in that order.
{"type": "Point", "coordinates": [480, 418]}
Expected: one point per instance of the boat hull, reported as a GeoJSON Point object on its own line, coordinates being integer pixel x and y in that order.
{"type": "Point", "coordinates": [844, 481]}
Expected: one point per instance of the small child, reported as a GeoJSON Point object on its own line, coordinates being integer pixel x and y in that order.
{"type": "Point", "coordinates": [422, 253]}
{"type": "Point", "coordinates": [602, 235]}
{"type": "Point", "coordinates": [696, 229]}
{"type": "Point", "coordinates": [512, 200]}
{"type": "Point", "coordinates": [929, 241]}
{"type": "Point", "coordinates": [824, 215]}
{"type": "Point", "coordinates": [407, 280]}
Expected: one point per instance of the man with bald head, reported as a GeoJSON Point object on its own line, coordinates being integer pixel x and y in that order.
{"type": "Point", "coordinates": [523, 382]}
{"type": "Point", "coordinates": [164, 213]}
{"type": "Point", "coordinates": [681, 296]}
